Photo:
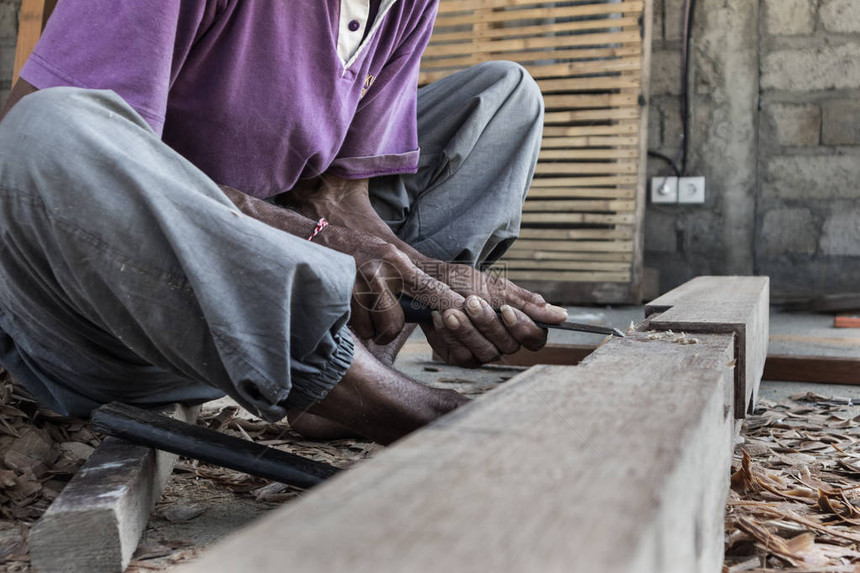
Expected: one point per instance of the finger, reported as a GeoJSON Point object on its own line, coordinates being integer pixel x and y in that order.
{"type": "Point", "coordinates": [485, 320]}
{"type": "Point", "coordinates": [458, 324]}
{"type": "Point", "coordinates": [536, 307]}
{"type": "Point", "coordinates": [522, 328]}
{"type": "Point", "coordinates": [455, 353]}
{"type": "Point", "coordinates": [388, 318]}
{"type": "Point", "coordinates": [429, 291]}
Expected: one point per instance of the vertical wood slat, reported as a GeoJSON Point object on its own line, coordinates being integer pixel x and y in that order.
{"type": "Point", "coordinates": [33, 17]}
{"type": "Point", "coordinates": [591, 61]}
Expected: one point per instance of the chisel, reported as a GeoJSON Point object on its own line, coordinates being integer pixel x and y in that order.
{"type": "Point", "coordinates": [416, 311]}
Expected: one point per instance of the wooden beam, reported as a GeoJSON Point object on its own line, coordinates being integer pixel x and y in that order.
{"type": "Point", "coordinates": [819, 369]}
{"type": "Point", "coordinates": [96, 522]}
{"type": "Point", "coordinates": [739, 305]}
{"type": "Point", "coordinates": [618, 465]}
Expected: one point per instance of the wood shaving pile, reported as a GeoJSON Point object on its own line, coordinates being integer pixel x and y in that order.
{"type": "Point", "coordinates": [795, 498]}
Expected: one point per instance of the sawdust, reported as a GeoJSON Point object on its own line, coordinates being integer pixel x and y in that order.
{"type": "Point", "coordinates": [793, 504]}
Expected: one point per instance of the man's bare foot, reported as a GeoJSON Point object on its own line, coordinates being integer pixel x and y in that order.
{"type": "Point", "coordinates": [387, 353]}
{"type": "Point", "coordinates": [379, 403]}
{"type": "Point", "coordinates": [318, 428]}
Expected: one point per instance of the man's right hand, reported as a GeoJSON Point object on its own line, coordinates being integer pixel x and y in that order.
{"type": "Point", "coordinates": [383, 273]}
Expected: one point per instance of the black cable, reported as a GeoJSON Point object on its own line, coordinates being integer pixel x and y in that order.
{"type": "Point", "coordinates": [685, 80]}
{"type": "Point", "coordinates": [667, 159]}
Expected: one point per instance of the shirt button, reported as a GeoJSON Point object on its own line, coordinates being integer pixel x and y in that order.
{"type": "Point", "coordinates": [354, 26]}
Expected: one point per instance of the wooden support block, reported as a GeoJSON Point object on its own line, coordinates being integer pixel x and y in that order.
{"type": "Point", "coordinates": [618, 465]}
{"type": "Point", "coordinates": [719, 305]}
{"type": "Point", "coordinates": [96, 522]}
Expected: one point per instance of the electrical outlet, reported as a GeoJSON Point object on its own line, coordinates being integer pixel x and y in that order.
{"type": "Point", "coordinates": [691, 190]}
{"type": "Point", "coordinates": [664, 190]}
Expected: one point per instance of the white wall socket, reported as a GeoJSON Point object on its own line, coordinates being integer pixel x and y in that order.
{"type": "Point", "coordinates": [664, 189]}
{"type": "Point", "coordinates": [691, 190]}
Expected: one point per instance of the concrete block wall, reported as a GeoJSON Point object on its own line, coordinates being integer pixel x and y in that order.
{"type": "Point", "coordinates": [775, 128]}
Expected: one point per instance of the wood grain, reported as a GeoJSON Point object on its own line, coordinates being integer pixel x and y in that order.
{"type": "Point", "coordinates": [562, 469]}
{"type": "Point", "coordinates": [719, 305]}
{"type": "Point", "coordinates": [96, 522]}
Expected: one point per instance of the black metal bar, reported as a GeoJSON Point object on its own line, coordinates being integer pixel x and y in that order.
{"type": "Point", "coordinates": [157, 431]}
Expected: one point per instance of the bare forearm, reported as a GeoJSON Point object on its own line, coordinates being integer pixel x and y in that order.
{"type": "Point", "coordinates": [21, 89]}
{"type": "Point", "coordinates": [282, 219]}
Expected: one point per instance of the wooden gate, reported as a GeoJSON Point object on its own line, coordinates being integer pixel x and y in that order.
{"type": "Point", "coordinates": [581, 239]}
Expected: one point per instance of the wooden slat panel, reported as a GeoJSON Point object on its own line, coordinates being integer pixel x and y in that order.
{"type": "Point", "coordinates": [513, 45]}
{"type": "Point", "coordinates": [578, 205]}
{"type": "Point", "coordinates": [573, 246]}
{"type": "Point", "coordinates": [585, 192]}
{"type": "Point", "coordinates": [559, 168]}
{"type": "Point", "coordinates": [592, 115]}
{"type": "Point", "coordinates": [589, 141]}
{"type": "Point", "coordinates": [550, 54]}
{"type": "Point", "coordinates": [552, 154]}
{"type": "Point", "coordinates": [589, 130]}
{"type": "Point", "coordinates": [590, 166]}
{"type": "Point", "coordinates": [569, 276]}
{"type": "Point", "coordinates": [548, 265]}
{"type": "Point", "coordinates": [619, 232]}
{"type": "Point", "coordinates": [528, 254]}
{"type": "Point", "coordinates": [583, 181]}
{"type": "Point", "coordinates": [623, 219]}
{"type": "Point", "coordinates": [445, 18]}
{"type": "Point", "coordinates": [441, 34]}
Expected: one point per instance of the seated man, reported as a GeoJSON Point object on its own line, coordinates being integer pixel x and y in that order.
{"type": "Point", "coordinates": [148, 155]}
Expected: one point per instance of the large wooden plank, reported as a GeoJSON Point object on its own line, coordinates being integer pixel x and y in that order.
{"type": "Point", "coordinates": [717, 305]}
{"type": "Point", "coordinates": [95, 523]}
{"type": "Point", "coordinates": [543, 474]}
{"type": "Point", "coordinates": [818, 369]}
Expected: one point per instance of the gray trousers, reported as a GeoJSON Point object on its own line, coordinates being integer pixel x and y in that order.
{"type": "Point", "coordinates": [125, 273]}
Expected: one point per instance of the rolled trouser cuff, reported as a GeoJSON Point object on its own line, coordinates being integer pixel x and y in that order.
{"type": "Point", "coordinates": [308, 389]}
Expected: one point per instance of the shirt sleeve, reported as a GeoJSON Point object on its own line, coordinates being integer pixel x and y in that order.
{"type": "Point", "coordinates": [383, 136]}
{"type": "Point", "coordinates": [133, 48]}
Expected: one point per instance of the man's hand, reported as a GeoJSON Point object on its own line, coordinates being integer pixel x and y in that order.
{"type": "Point", "coordinates": [473, 335]}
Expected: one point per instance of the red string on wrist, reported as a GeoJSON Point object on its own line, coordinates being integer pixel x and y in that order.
{"type": "Point", "coordinates": [321, 224]}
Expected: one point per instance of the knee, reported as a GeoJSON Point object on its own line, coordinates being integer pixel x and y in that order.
{"type": "Point", "coordinates": [62, 113]}
{"type": "Point", "coordinates": [523, 90]}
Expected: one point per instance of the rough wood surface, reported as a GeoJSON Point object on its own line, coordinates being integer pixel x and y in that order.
{"type": "Point", "coordinates": [95, 523]}
{"type": "Point", "coordinates": [719, 305]}
{"type": "Point", "coordinates": [620, 464]}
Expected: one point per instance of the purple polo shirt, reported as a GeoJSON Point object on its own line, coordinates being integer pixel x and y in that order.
{"type": "Point", "coordinates": [256, 93]}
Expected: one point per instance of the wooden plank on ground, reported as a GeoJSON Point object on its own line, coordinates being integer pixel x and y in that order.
{"type": "Point", "coordinates": [819, 369]}
{"type": "Point", "coordinates": [575, 469]}
{"type": "Point", "coordinates": [718, 305]}
{"type": "Point", "coordinates": [96, 522]}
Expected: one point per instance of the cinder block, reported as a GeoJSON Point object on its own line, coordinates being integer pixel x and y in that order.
{"type": "Point", "coordinates": [841, 122]}
{"type": "Point", "coordinates": [788, 231]}
{"type": "Point", "coordinates": [842, 234]}
{"type": "Point", "coordinates": [823, 68]}
{"type": "Point", "coordinates": [794, 125]}
{"type": "Point", "coordinates": [666, 72]}
{"type": "Point", "coordinates": [840, 16]}
{"type": "Point", "coordinates": [812, 177]}
{"type": "Point", "coordinates": [790, 17]}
